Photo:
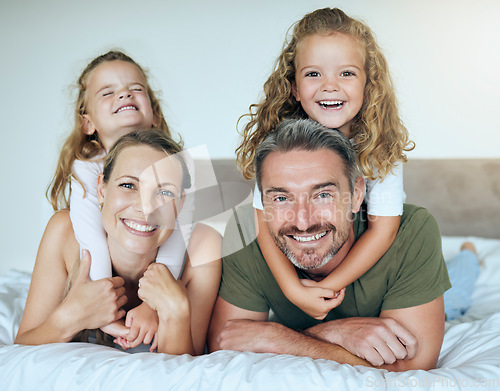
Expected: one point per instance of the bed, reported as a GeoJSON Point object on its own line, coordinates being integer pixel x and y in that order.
{"type": "Point", "coordinates": [466, 203]}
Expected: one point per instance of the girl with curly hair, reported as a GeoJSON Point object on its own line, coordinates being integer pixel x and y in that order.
{"type": "Point", "coordinates": [332, 70]}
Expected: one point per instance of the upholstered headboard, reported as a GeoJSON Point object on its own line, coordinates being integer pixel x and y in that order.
{"type": "Point", "coordinates": [463, 194]}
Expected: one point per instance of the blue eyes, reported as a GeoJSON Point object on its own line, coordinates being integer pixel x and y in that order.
{"type": "Point", "coordinates": [167, 193]}
{"type": "Point", "coordinates": [320, 196]}
{"type": "Point", "coordinates": [161, 192]}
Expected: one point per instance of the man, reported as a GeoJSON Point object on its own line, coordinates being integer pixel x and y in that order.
{"type": "Point", "coordinates": [392, 316]}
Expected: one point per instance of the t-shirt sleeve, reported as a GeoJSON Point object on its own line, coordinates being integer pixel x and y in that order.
{"type": "Point", "coordinates": [257, 198]}
{"type": "Point", "coordinates": [421, 275]}
{"type": "Point", "coordinates": [240, 280]}
{"type": "Point", "coordinates": [386, 198]}
{"type": "Point", "coordinates": [239, 288]}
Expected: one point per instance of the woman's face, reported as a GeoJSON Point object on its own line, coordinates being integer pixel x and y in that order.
{"type": "Point", "coordinates": [141, 199]}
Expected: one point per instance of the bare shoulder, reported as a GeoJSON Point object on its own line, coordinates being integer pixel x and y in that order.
{"type": "Point", "coordinates": [204, 251]}
{"type": "Point", "coordinates": [204, 234]}
{"type": "Point", "coordinates": [60, 237]}
{"type": "Point", "coordinates": [60, 222]}
{"type": "Point", "coordinates": [205, 245]}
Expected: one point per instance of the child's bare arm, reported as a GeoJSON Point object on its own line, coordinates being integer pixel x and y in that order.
{"type": "Point", "coordinates": [312, 299]}
{"type": "Point", "coordinates": [365, 253]}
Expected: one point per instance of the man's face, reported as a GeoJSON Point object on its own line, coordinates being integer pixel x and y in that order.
{"type": "Point", "coordinates": [308, 205]}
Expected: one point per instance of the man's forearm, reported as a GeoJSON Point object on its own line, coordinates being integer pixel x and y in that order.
{"type": "Point", "coordinates": [309, 346]}
{"type": "Point", "coordinates": [270, 337]}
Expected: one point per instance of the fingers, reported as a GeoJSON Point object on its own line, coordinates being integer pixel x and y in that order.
{"type": "Point", "coordinates": [137, 335]}
{"type": "Point", "coordinates": [321, 292]}
{"type": "Point", "coordinates": [122, 342]}
{"type": "Point", "coordinates": [143, 323]}
{"type": "Point", "coordinates": [117, 281]}
{"type": "Point", "coordinates": [383, 354]}
{"type": "Point", "coordinates": [154, 345]}
{"type": "Point", "coordinates": [84, 269]}
{"type": "Point", "coordinates": [339, 297]}
{"type": "Point", "coordinates": [328, 304]}
{"type": "Point", "coordinates": [388, 344]}
{"type": "Point", "coordinates": [120, 314]}
{"type": "Point", "coordinates": [122, 299]}
{"type": "Point", "coordinates": [158, 269]}
{"type": "Point", "coordinates": [404, 338]}
{"type": "Point", "coordinates": [116, 329]}
{"type": "Point", "coordinates": [149, 337]}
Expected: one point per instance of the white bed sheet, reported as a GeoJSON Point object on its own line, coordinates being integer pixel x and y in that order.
{"type": "Point", "coordinates": [469, 359]}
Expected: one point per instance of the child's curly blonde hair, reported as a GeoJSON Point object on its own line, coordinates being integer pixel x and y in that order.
{"type": "Point", "coordinates": [380, 137]}
{"type": "Point", "coordinates": [81, 146]}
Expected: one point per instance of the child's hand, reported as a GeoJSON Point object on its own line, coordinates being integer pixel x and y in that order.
{"type": "Point", "coordinates": [316, 301]}
{"type": "Point", "coordinates": [118, 330]}
{"type": "Point", "coordinates": [143, 324]}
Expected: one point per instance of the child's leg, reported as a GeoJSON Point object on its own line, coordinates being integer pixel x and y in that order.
{"type": "Point", "coordinates": [463, 270]}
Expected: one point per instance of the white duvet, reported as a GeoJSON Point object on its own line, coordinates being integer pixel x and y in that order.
{"type": "Point", "coordinates": [469, 359]}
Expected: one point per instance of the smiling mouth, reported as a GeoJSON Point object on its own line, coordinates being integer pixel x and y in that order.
{"type": "Point", "coordinates": [130, 107]}
{"type": "Point", "coordinates": [139, 227]}
{"type": "Point", "coordinates": [308, 238]}
{"type": "Point", "coordinates": [331, 104]}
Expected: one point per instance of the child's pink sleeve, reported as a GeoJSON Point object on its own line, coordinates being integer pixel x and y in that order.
{"type": "Point", "coordinates": [86, 217]}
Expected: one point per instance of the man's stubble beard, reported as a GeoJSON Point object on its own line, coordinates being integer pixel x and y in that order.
{"type": "Point", "coordinates": [308, 260]}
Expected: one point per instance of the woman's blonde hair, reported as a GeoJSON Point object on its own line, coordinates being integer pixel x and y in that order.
{"type": "Point", "coordinates": [380, 137]}
{"type": "Point", "coordinates": [81, 146]}
{"type": "Point", "coordinates": [153, 138]}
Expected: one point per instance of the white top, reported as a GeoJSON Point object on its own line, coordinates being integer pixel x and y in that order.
{"type": "Point", "coordinates": [86, 220]}
{"type": "Point", "coordinates": [383, 198]}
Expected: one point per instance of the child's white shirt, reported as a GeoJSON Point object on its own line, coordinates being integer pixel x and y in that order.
{"type": "Point", "coordinates": [386, 198]}
{"type": "Point", "coordinates": [383, 198]}
{"type": "Point", "coordinates": [87, 224]}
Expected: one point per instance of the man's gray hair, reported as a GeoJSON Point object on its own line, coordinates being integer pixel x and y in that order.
{"type": "Point", "coordinates": [307, 135]}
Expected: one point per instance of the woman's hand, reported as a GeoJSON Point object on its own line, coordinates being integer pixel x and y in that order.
{"type": "Point", "coordinates": [163, 293]}
{"type": "Point", "coordinates": [93, 304]}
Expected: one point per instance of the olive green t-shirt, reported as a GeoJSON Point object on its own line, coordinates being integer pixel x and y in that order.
{"type": "Point", "coordinates": [412, 272]}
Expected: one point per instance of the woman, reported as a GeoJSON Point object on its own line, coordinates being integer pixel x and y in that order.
{"type": "Point", "coordinates": [140, 191]}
